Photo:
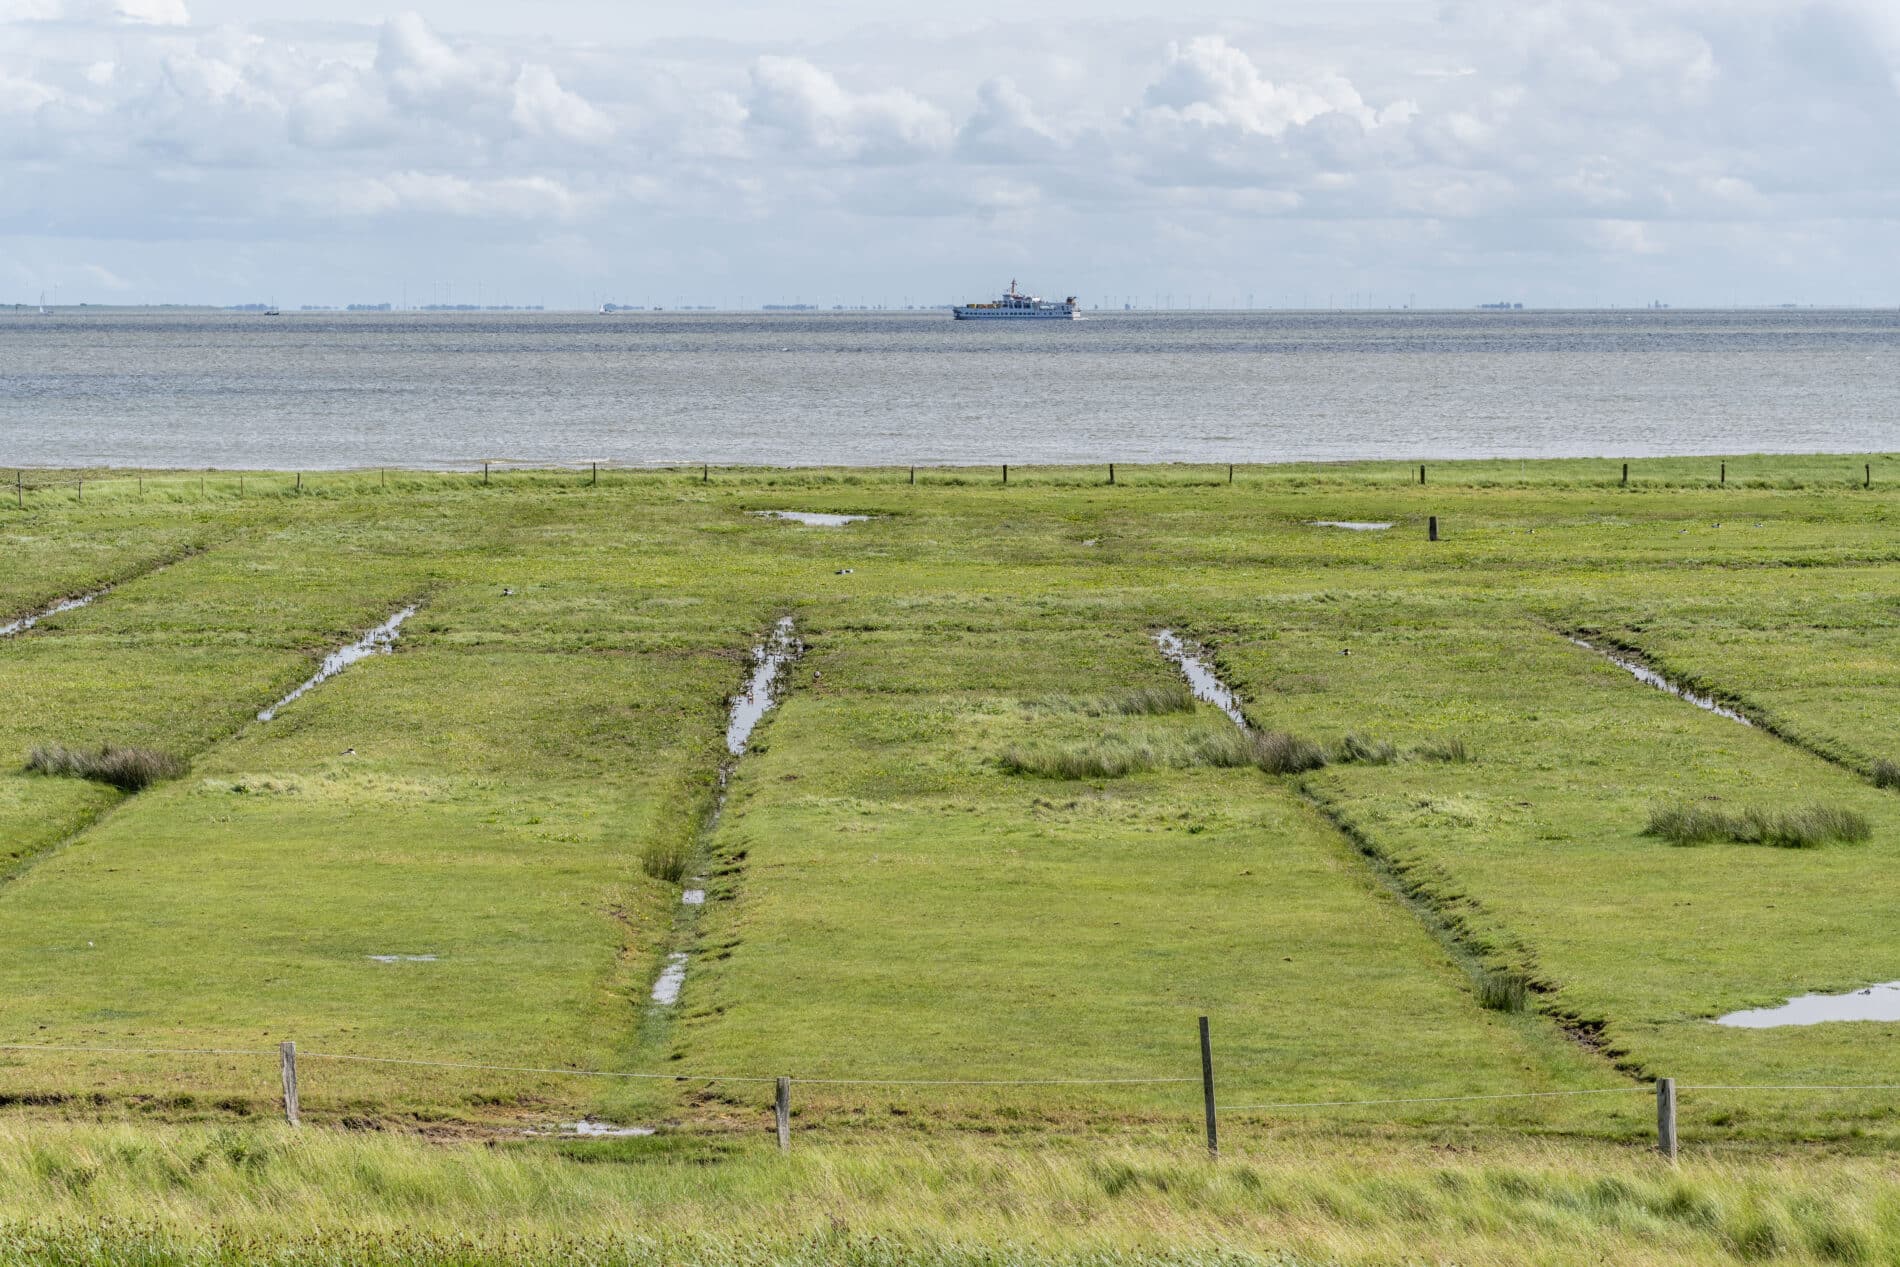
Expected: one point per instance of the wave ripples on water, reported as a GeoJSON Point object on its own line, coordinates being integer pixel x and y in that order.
{"type": "Point", "coordinates": [311, 391]}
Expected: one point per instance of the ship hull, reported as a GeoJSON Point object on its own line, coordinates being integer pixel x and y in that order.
{"type": "Point", "coordinates": [1058, 313]}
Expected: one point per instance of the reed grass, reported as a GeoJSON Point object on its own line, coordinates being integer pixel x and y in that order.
{"type": "Point", "coordinates": [128, 769]}
{"type": "Point", "coordinates": [87, 1196]}
{"type": "Point", "coordinates": [1886, 773]}
{"type": "Point", "coordinates": [1803, 828]}
{"type": "Point", "coordinates": [1280, 752]}
{"type": "Point", "coordinates": [1447, 748]}
{"type": "Point", "coordinates": [1504, 991]}
{"type": "Point", "coordinates": [1354, 750]}
{"type": "Point", "coordinates": [1151, 701]}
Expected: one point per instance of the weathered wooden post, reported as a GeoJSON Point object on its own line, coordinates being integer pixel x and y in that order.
{"type": "Point", "coordinates": [1666, 1117]}
{"type": "Point", "coordinates": [300, 480]}
{"type": "Point", "coordinates": [705, 473]}
{"type": "Point", "coordinates": [1626, 474]}
{"type": "Point", "coordinates": [1431, 528]}
{"type": "Point", "coordinates": [82, 488]}
{"type": "Point", "coordinates": [1111, 475]}
{"type": "Point", "coordinates": [596, 480]}
{"type": "Point", "coordinates": [141, 483]}
{"type": "Point", "coordinates": [19, 488]}
{"type": "Point", "coordinates": [1005, 473]}
{"type": "Point", "coordinates": [484, 472]}
{"type": "Point", "coordinates": [913, 475]}
{"type": "Point", "coordinates": [1870, 476]}
{"type": "Point", "coordinates": [1725, 472]}
{"type": "Point", "coordinates": [1230, 472]}
{"type": "Point", "coordinates": [288, 1052]}
{"type": "Point", "coordinates": [1421, 472]}
{"type": "Point", "coordinates": [783, 1108]}
{"type": "Point", "coordinates": [1207, 1090]}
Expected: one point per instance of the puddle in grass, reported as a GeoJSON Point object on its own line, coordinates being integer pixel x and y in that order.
{"type": "Point", "coordinates": [666, 989]}
{"type": "Point", "coordinates": [25, 623]}
{"type": "Point", "coordinates": [1643, 673]}
{"type": "Point", "coordinates": [693, 897]}
{"type": "Point", "coordinates": [377, 641]}
{"type": "Point", "coordinates": [1874, 1003]}
{"type": "Point", "coordinates": [1350, 525]}
{"type": "Point", "coordinates": [1200, 676]}
{"type": "Point", "coordinates": [749, 707]}
{"type": "Point", "coordinates": [813, 518]}
{"type": "Point", "coordinates": [402, 958]}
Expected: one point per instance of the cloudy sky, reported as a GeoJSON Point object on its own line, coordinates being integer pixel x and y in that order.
{"type": "Point", "coordinates": [845, 151]}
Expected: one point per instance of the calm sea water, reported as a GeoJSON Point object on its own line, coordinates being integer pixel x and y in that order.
{"type": "Point", "coordinates": [334, 390]}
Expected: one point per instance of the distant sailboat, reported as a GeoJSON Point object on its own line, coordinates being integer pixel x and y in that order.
{"type": "Point", "coordinates": [42, 303]}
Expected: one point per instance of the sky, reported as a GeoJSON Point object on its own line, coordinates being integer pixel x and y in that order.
{"type": "Point", "coordinates": [737, 153]}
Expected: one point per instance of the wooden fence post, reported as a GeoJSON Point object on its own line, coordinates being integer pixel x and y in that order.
{"type": "Point", "coordinates": [1626, 474]}
{"type": "Point", "coordinates": [1421, 472]}
{"type": "Point", "coordinates": [484, 472]}
{"type": "Point", "coordinates": [1230, 472]}
{"type": "Point", "coordinates": [1870, 476]}
{"type": "Point", "coordinates": [1005, 473]}
{"type": "Point", "coordinates": [19, 488]}
{"type": "Point", "coordinates": [1431, 528]}
{"type": "Point", "coordinates": [288, 1051]}
{"type": "Point", "coordinates": [1111, 475]}
{"type": "Point", "coordinates": [82, 488]}
{"type": "Point", "coordinates": [300, 481]}
{"type": "Point", "coordinates": [913, 475]}
{"type": "Point", "coordinates": [783, 1108]}
{"type": "Point", "coordinates": [705, 473]}
{"type": "Point", "coordinates": [1666, 1117]}
{"type": "Point", "coordinates": [1207, 1090]}
{"type": "Point", "coordinates": [1725, 472]}
{"type": "Point", "coordinates": [596, 478]}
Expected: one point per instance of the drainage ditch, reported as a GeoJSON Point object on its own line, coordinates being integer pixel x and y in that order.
{"type": "Point", "coordinates": [764, 687]}
{"type": "Point", "coordinates": [378, 641]}
{"type": "Point", "coordinates": [1446, 927]}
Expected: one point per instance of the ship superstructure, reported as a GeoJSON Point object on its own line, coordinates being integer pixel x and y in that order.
{"type": "Point", "coordinates": [1013, 305]}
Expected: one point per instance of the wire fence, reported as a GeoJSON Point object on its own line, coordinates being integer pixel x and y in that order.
{"type": "Point", "coordinates": [1665, 1090]}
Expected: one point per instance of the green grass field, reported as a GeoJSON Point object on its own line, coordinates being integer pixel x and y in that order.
{"type": "Point", "coordinates": [970, 887]}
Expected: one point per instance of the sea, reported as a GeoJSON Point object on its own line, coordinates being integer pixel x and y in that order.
{"type": "Point", "coordinates": [326, 390]}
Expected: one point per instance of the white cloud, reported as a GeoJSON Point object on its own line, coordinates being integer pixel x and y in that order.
{"type": "Point", "coordinates": [795, 100]}
{"type": "Point", "coordinates": [1582, 129]}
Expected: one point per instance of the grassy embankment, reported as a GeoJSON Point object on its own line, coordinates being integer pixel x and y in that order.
{"type": "Point", "coordinates": [890, 901]}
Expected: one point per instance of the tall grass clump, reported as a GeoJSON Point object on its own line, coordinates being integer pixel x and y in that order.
{"type": "Point", "coordinates": [1504, 991]}
{"type": "Point", "coordinates": [1151, 701]}
{"type": "Point", "coordinates": [128, 769]}
{"type": "Point", "coordinates": [1279, 752]}
{"type": "Point", "coordinates": [1097, 759]}
{"type": "Point", "coordinates": [1447, 748]}
{"type": "Point", "coordinates": [1802, 828]}
{"type": "Point", "coordinates": [1352, 750]}
{"type": "Point", "coordinates": [665, 858]}
{"type": "Point", "coordinates": [1228, 747]}
{"type": "Point", "coordinates": [1887, 773]}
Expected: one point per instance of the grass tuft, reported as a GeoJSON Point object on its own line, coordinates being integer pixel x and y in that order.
{"type": "Point", "coordinates": [1278, 752]}
{"type": "Point", "coordinates": [1804, 828]}
{"type": "Point", "coordinates": [1447, 748]}
{"type": "Point", "coordinates": [665, 858]}
{"type": "Point", "coordinates": [1887, 773]}
{"type": "Point", "coordinates": [1504, 991]}
{"type": "Point", "coordinates": [128, 769]}
{"type": "Point", "coordinates": [1151, 701]}
{"type": "Point", "coordinates": [1109, 758]}
{"type": "Point", "coordinates": [1352, 750]}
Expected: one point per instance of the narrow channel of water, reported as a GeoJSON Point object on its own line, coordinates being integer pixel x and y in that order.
{"type": "Point", "coordinates": [764, 687]}
{"type": "Point", "coordinates": [377, 641]}
{"type": "Point", "coordinates": [1643, 673]}
{"type": "Point", "coordinates": [1871, 1003]}
{"type": "Point", "coordinates": [1201, 677]}
{"type": "Point", "coordinates": [1351, 525]}
{"type": "Point", "coordinates": [25, 623]}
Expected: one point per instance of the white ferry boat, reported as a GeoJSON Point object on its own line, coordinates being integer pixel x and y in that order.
{"type": "Point", "coordinates": [1016, 306]}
